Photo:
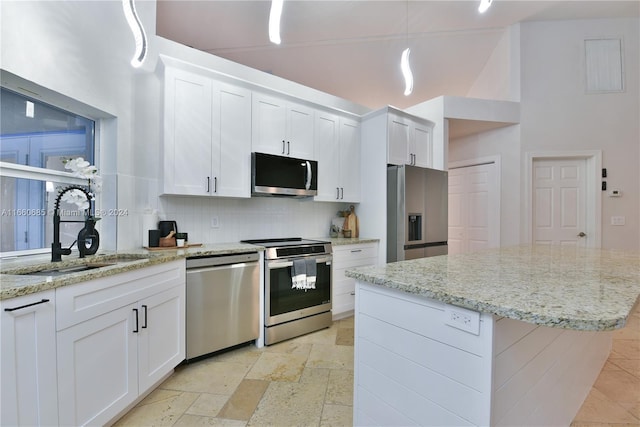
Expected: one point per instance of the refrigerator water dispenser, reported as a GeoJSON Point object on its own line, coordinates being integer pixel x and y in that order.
{"type": "Point", "coordinates": [415, 227]}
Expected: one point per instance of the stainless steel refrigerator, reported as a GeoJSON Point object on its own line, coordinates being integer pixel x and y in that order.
{"type": "Point", "coordinates": [417, 209]}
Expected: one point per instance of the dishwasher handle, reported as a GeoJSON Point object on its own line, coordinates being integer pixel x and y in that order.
{"type": "Point", "coordinates": [220, 267]}
{"type": "Point", "coordinates": [222, 260]}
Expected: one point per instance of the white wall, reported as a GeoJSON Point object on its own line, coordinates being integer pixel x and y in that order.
{"type": "Point", "coordinates": [500, 77]}
{"type": "Point", "coordinates": [557, 114]}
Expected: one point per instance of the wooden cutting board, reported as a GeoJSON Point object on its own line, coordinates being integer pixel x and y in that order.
{"type": "Point", "coordinates": [352, 223]}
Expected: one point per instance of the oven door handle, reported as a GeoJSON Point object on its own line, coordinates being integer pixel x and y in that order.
{"type": "Point", "coordinates": [282, 264]}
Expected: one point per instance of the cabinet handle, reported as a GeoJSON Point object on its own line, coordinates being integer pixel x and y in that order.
{"type": "Point", "coordinates": [215, 184]}
{"type": "Point", "coordinates": [337, 193]}
{"type": "Point", "coordinates": [283, 146]}
{"type": "Point", "coordinates": [135, 331]}
{"type": "Point", "coordinates": [208, 184]}
{"type": "Point", "coordinates": [356, 251]}
{"type": "Point", "coordinates": [42, 301]}
{"type": "Point", "coordinates": [341, 193]}
{"type": "Point", "coordinates": [144, 308]}
{"type": "Point", "coordinates": [353, 293]}
{"type": "Point", "coordinates": [288, 148]}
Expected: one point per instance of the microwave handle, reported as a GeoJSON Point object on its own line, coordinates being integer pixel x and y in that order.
{"type": "Point", "coordinates": [309, 175]}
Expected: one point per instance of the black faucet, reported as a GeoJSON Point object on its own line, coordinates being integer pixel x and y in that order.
{"type": "Point", "coordinates": [88, 235]}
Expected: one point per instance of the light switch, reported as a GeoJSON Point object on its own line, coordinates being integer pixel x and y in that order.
{"type": "Point", "coordinates": [617, 220]}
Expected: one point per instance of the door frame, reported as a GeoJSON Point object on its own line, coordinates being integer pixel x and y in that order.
{"type": "Point", "coordinates": [479, 161]}
{"type": "Point", "coordinates": [593, 193]}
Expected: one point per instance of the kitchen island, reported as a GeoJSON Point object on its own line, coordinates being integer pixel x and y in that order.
{"type": "Point", "coordinates": [511, 336]}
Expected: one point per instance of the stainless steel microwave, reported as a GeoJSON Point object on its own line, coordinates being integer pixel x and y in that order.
{"type": "Point", "coordinates": [273, 175]}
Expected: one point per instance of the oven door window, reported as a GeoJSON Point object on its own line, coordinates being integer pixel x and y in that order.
{"type": "Point", "coordinates": [284, 299]}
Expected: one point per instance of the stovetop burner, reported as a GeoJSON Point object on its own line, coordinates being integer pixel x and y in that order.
{"type": "Point", "coordinates": [291, 247]}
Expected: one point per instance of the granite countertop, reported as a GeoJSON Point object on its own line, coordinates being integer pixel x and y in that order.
{"type": "Point", "coordinates": [572, 288]}
{"type": "Point", "coordinates": [13, 283]}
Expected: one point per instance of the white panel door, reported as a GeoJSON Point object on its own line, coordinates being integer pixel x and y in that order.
{"type": "Point", "coordinates": [559, 202]}
{"type": "Point", "coordinates": [474, 208]}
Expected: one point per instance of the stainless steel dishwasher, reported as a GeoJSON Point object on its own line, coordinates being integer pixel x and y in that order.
{"type": "Point", "coordinates": [223, 297]}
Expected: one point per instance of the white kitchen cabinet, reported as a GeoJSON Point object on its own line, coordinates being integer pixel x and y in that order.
{"type": "Point", "coordinates": [398, 140]}
{"type": "Point", "coordinates": [117, 337]}
{"type": "Point", "coordinates": [281, 127]}
{"type": "Point", "coordinates": [28, 364]}
{"type": "Point", "coordinates": [161, 342]}
{"type": "Point", "coordinates": [187, 133]}
{"type": "Point", "coordinates": [207, 136]}
{"type": "Point", "coordinates": [337, 145]}
{"type": "Point", "coordinates": [421, 144]}
{"type": "Point", "coordinates": [231, 160]}
{"type": "Point", "coordinates": [346, 257]}
{"type": "Point", "coordinates": [410, 140]}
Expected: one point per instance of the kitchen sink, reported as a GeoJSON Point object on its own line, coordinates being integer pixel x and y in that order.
{"type": "Point", "coordinates": [69, 270]}
{"type": "Point", "coordinates": [74, 265]}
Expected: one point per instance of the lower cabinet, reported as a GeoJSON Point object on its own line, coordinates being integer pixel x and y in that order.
{"type": "Point", "coordinates": [117, 337]}
{"type": "Point", "coordinates": [28, 363]}
{"type": "Point", "coordinates": [344, 258]}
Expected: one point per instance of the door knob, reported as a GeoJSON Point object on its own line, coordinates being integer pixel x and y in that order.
{"type": "Point", "coordinates": [581, 234]}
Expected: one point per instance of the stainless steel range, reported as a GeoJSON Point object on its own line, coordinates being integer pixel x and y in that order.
{"type": "Point", "coordinates": [294, 307]}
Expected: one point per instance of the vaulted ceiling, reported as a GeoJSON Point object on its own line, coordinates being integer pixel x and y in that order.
{"type": "Point", "coordinates": [352, 49]}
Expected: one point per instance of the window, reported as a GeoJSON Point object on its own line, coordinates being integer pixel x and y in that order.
{"type": "Point", "coordinates": [34, 139]}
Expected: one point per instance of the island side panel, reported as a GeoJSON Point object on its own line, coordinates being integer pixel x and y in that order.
{"type": "Point", "coordinates": [542, 375]}
{"type": "Point", "coordinates": [413, 369]}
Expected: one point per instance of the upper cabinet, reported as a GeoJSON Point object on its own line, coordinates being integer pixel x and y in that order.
{"type": "Point", "coordinates": [337, 149]}
{"type": "Point", "coordinates": [410, 140]}
{"type": "Point", "coordinates": [232, 143]}
{"type": "Point", "coordinates": [207, 136]}
{"type": "Point", "coordinates": [187, 132]}
{"type": "Point", "coordinates": [282, 127]}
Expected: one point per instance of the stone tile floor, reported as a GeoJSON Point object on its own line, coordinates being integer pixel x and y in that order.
{"type": "Point", "coordinates": [305, 381]}
{"type": "Point", "coordinates": [308, 381]}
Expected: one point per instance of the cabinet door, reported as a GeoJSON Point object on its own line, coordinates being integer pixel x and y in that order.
{"type": "Point", "coordinates": [327, 149]}
{"type": "Point", "coordinates": [300, 132]}
{"type": "Point", "coordinates": [187, 133]}
{"type": "Point", "coordinates": [98, 367]}
{"type": "Point", "coordinates": [350, 160]}
{"type": "Point", "coordinates": [398, 143]}
{"type": "Point", "coordinates": [28, 370]}
{"type": "Point", "coordinates": [232, 142]}
{"type": "Point", "coordinates": [269, 116]}
{"type": "Point", "coordinates": [421, 145]}
{"type": "Point", "coordinates": [162, 335]}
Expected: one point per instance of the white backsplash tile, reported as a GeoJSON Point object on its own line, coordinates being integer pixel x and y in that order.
{"type": "Point", "coordinates": [238, 219]}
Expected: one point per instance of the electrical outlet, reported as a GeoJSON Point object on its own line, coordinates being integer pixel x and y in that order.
{"type": "Point", "coordinates": [463, 319]}
{"type": "Point", "coordinates": [214, 222]}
